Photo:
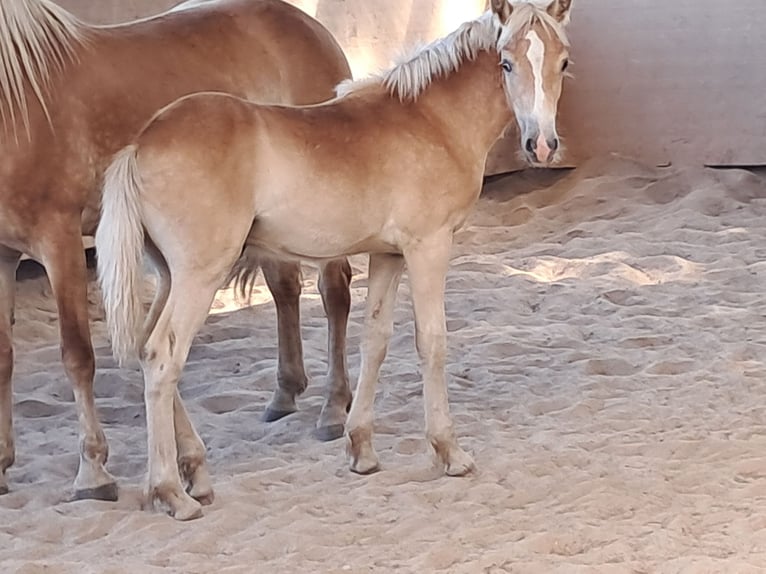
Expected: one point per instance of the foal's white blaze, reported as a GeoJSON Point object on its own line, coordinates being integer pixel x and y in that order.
{"type": "Point", "coordinates": [536, 57]}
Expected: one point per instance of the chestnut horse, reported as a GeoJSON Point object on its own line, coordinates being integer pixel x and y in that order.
{"type": "Point", "coordinates": [395, 164]}
{"type": "Point", "coordinates": [71, 95]}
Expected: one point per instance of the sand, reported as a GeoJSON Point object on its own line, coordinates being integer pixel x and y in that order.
{"type": "Point", "coordinates": [606, 369]}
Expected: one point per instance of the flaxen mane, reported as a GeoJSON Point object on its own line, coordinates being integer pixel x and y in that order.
{"type": "Point", "coordinates": [37, 39]}
{"type": "Point", "coordinates": [412, 75]}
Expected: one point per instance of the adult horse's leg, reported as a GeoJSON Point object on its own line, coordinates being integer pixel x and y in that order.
{"type": "Point", "coordinates": [171, 436]}
{"type": "Point", "coordinates": [284, 282]}
{"type": "Point", "coordinates": [64, 259]}
{"type": "Point", "coordinates": [8, 262]}
{"type": "Point", "coordinates": [334, 282]}
{"type": "Point", "coordinates": [384, 276]}
{"type": "Point", "coordinates": [427, 266]}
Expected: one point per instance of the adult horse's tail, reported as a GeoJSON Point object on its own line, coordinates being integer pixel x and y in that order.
{"type": "Point", "coordinates": [120, 248]}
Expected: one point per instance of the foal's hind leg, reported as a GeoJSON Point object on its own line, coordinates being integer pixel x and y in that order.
{"type": "Point", "coordinates": [191, 455]}
{"type": "Point", "coordinates": [191, 449]}
{"type": "Point", "coordinates": [165, 353]}
{"type": "Point", "coordinates": [284, 282]}
{"type": "Point", "coordinates": [385, 274]}
{"type": "Point", "coordinates": [8, 263]}
{"type": "Point", "coordinates": [334, 282]}
{"type": "Point", "coordinates": [64, 260]}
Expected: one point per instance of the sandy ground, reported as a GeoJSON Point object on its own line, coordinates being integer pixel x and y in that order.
{"type": "Point", "coordinates": [606, 369]}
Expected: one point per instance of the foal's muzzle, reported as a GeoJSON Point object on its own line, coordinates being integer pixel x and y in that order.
{"type": "Point", "coordinates": [541, 149]}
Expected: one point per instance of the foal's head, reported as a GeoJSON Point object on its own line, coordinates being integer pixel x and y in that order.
{"type": "Point", "coordinates": [534, 55]}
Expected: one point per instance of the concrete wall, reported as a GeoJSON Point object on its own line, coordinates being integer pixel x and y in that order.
{"type": "Point", "coordinates": [662, 81]}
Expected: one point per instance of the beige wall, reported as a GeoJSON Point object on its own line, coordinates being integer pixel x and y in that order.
{"type": "Point", "coordinates": [679, 80]}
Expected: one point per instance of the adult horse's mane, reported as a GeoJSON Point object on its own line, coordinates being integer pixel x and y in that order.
{"type": "Point", "coordinates": [414, 73]}
{"type": "Point", "coordinates": [37, 38]}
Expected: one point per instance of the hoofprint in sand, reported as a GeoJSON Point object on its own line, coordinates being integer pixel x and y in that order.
{"type": "Point", "coordinates": [606, 369]}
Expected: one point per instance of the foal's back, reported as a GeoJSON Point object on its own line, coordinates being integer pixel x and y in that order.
{"type": "Point", "coordinates": [352, 175]}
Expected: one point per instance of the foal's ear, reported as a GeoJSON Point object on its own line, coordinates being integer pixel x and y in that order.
{"type": "Point", "coordinates": [559, 9]}
{"type": "Point", "coordinates": [502, 8]}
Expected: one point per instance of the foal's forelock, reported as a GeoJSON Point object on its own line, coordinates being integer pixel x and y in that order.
{"type": "Point", "coordinates": [523, 18]}
{"type": "Point", "coordinates": [37, 39]}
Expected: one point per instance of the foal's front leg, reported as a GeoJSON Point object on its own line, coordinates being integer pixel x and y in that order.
{"type": "Point", "coordinates": [427, 266]}
{"type": "Point", "coordinates": [384, 276]}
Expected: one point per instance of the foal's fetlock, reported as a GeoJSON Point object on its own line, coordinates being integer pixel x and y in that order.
{"type": "Point", "coordinates": [294, 383]}
{"type": "Point", "coordinates": [171, 498]}
{"type": "Point", "coordinates": [362, 456]}
{"type": "Point", "coordinates": [455, 460]}
{"type": "Point", "coordinates": [197, 478]}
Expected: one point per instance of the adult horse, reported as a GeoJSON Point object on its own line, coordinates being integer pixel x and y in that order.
{"type": "Point", "coordinates": [71, 95]}
{"type": "Point", "coordinates": [395, 164]}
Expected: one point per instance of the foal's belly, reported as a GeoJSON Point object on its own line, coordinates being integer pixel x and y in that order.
{"type": "Point", "coordinates": [309, 241]}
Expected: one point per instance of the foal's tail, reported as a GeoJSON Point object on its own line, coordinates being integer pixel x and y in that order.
{"type": "Point", "coordinates": [120, 247]}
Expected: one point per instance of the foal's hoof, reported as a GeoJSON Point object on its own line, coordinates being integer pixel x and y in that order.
{"type": "Point", "coordinates": [364, 467]}
{"type": "Point", "coordinates": [107, 492]}
{"type": "Point", "coordinates": [175, 502]}
{"type": "Point", "coordinates": [363, 458]}
{"type": "Point", "coordinates": [202, 494]}
{"type": "Point", "coordinates": [329, 432]}
{"type": "Point", "coordinates": [272, 415]}
{"type": "Point", "coordinates": [460, 463]}
{"type": "Point", "coordinates": [190, 510]}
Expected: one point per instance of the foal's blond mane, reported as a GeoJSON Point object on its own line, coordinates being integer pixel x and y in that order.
{"type": "Point", "coordinates": [413, 74]}
{"type": "Point", "coordinates": [37, 38]}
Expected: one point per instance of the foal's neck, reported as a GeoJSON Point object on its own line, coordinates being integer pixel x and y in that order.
{"type": "Point", "coordinates": [471, 104]}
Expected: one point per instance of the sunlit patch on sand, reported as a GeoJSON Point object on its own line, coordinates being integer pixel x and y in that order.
{"type": "Point", "coordinates": [615, 264]}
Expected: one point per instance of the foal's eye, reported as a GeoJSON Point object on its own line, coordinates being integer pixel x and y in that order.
{"type": "Point", "coordinates": [507, 66]}
{"type": "Point", "coordinates": [565, 65]}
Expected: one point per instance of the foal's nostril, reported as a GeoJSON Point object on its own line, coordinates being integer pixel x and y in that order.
{"type": "Point", "coordinates": [553, 144]}
{"type": "Point", "coordinates": [531, 145]}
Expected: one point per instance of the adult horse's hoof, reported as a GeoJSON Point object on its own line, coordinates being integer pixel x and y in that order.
{"type": "Point", "coordinates": [108, 492]}
{"type": "Point", "coordinates": [272, 415]}
{"type": "Point", "coordinates": [329, 433]}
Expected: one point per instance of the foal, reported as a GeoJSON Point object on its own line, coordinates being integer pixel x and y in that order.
{"type": "Point", "coordinates": [392, 168]}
